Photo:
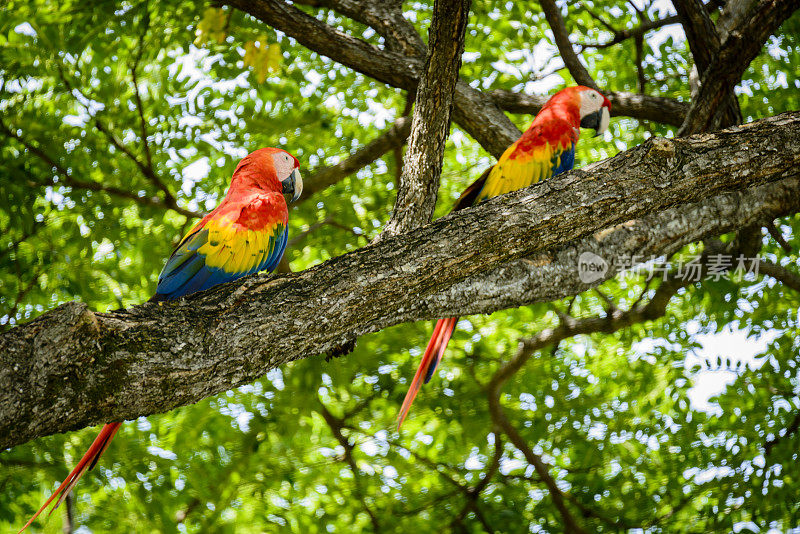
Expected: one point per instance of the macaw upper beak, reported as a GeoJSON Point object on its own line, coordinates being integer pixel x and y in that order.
{"type": "Point", "coordinates": [598, 121]}
{"type": "Point", "coordinates": [293, 185]}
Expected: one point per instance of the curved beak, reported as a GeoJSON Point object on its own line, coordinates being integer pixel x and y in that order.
{"type": "Point", "coordinates": [597, 121]}
{"type": "Point", "coordinates": [293, 185]}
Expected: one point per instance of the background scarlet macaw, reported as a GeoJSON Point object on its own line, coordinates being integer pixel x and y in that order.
{"type": "Point", "coordinates": [545, 149]}
{"type": "Point", "coordinates": [245, 233]}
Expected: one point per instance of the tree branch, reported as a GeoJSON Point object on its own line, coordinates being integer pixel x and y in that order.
{"type": "Point", "coordinates": [430, 127]}
{"type": "Point", "coordinates": [72, 367]}
{"type": "Point", "coordinates": [743, 44]}
{"type": "Point", "coordinates": [700, 31]}
{"type": "Point", "coordinates": [643, 28]}
{"type": "Point", "coordinates": [780, 273]}
{"type": "Point", "coordinates": [385, 17]}
{"type": "Point", "coordinates": [68, 180]}
{"type": "Point", "coordinates": [790, 430]}
{"type": "Point", "coordinates": [776, 235]}
{"type": "Point", "coordinates": [474, 111]}
{"type": "Point", "coordinates": [614, 321]}
{"type": "Point", "coordinates": [553, 15]}
{"type": "Point", "coordinates": [327, 176]}
{"type": "Point", "coordinates": [638, 106]}
{"type": "Point", "coordinates": [553, 275]}
{"type": "Point", "coordinates": [501, 422]}
{"type": "Point", "coordinates": [335, 425]}
{"type": "Point", "coordinates": [147, 170]}
{"type": "Point", "coordinates": [139, 106]}
{"type": "Point", "coordinates": [704, 43]}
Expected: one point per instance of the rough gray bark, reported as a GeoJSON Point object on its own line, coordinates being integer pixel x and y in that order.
{"type": "Point", "coordinates": [552, 274]}
{"type": "Point", "coordinates": [384, 16]}
{"type": "Point", "coordinates": [733, 13]}
{"type": "Point", "coordinates": [72, 367]}
{"type": "Point", "coordinates": [704, 43]}
{"type": "Point", "coordinates": [430, 127]}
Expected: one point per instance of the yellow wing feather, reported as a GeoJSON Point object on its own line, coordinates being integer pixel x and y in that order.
{"type": "Point", "coordinates": [522, 171]}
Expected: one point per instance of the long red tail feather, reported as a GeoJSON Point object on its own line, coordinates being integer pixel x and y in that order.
{"type": "Point", "coordinates": [89, 460]}
{"type": "Point", "coordinates": [430, 360]}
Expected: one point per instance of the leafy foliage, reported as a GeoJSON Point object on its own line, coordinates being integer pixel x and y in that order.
{"type": "Point", "coordinates": [118, 124]}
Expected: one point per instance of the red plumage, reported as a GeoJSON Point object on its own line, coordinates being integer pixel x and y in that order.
{"type": "Point", "coordinates": [546, 148]}
{"type": "Point", "coordinates": [246, 233]}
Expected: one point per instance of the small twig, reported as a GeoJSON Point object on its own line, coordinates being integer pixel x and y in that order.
{"type": "Point", "coordinates": [778, 237]}
{"type": "Point", "coordinates": [599, 19]}
{"type": "Point", "coordinates": [553, 15]}
{"type": "Point", "coordinates": [68, 180]}
{"type": "Point", "coordinates": [325, 177]}
{"type": "Point", "coordinates": [779, 273]}
{"type": "Point", "coordinates": [69, 514]}
{"type": "Point", "coordinates": [139, 105]}
{"type": "Point", "coordinates": [793, 427]}
{"type": "Point", "coordinates": [336, 425]}
{"type": "Point", "coordinates": [12, 312]}
{"type": "Point", "coordinates": [639, 46]}
{"type": "Point", "coordinates": [611, 307]}
{"type": "Point", "coordinates": [327, 221]}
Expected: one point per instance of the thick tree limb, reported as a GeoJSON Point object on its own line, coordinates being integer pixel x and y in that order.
{"type": "Point", "coordinates": [72, 367]}
{"type": "Point", "coordinates": [401, 66]}
{"type": "Point", "coordinates": [743, 44]}
{"type": "Point", "coordinates": [704, 43]}
{"type": "Point", "coordinates": [554, 274]}
{"type": "Point", "coordinates": [383, 16]}
{"type": "Point", "coordinates": [474, 112]}
{"type": "Point", "coordinates": [700, 31]}
{"type": "Point", "coordinates": [732, 15]}
{"type": "Point", "coordinates": [430, 127]}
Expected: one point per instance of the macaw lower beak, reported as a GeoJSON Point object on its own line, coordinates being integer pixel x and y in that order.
{"type": "Point", "coordinates": [597, 121]}
{"type": "Point", "coordinates": [293, 185]}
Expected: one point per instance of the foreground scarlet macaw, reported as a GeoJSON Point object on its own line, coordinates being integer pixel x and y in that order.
{"type": "Point", "coordinates": [545, 149]}
{"type": "Point", "coordinates": [245, 234]}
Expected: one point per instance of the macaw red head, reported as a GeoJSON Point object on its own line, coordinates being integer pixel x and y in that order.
{"type": "Point", "coordinates": [594, 109]}
{"type": "Point", "coordinates": [271, 169]}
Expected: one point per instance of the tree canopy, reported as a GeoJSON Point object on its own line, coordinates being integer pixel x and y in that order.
{"type": "Point", "coordinates": [570, 408]}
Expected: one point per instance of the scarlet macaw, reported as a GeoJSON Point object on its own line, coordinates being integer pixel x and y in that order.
{"type": "Point", "coordinates": [545, 149]}
{"type": "Point", "coordinates": [246, 233]}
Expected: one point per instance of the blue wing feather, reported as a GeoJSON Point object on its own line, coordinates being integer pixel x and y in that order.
{"type": "Point", "coordinates": [566, 162]}
{"type": "Point", "coordinates": [186, 271]}
{"type": "Point", "coordinates": [274, 258]}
